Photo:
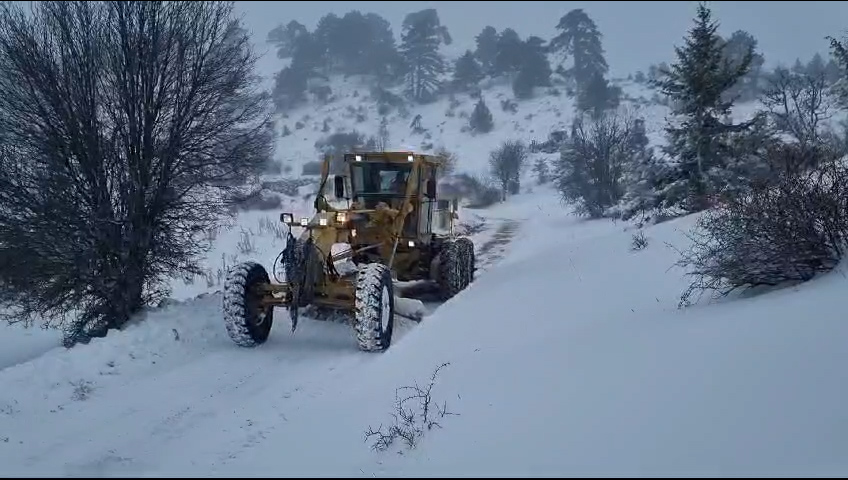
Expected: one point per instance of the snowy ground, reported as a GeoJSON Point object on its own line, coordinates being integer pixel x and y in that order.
{"type": "Point", "coordinates": [567, 357]}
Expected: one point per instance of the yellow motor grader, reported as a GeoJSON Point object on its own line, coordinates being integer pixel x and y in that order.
{"type": "Point", "coordinates": [377, 230]}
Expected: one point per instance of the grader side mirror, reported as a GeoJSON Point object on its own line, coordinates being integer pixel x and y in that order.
{"type": "Point", "coordinates": [431, 188]}
{"type": "Point", "coordinates": [339, 186]}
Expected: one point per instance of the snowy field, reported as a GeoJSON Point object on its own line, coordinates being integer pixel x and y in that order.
{"type": "Point", "coordinates": [566, 357]}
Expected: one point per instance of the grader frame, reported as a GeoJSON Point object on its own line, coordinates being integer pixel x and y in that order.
{"type": "Point", "coordinates": [385, 230]}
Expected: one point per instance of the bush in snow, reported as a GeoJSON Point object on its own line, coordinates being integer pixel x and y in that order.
{"type": "Point", "coordinates": [639, 241]}
{"type": "Point", "coordinates": [782, 231]}
{"type": "Point", "coordinates": [591, 166]}
{"type": "Point", "coordinates": [480, 192]}
{"type": "Point", "coordinates": [506, 164]}
{"type": "Point", "coordinates": [104, 193]}
{"type": "Point", "coordinates": [799, 107]}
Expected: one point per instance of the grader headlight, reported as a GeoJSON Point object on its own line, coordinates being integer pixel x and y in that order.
{"type": "Point", "coordinates": [341, 217]}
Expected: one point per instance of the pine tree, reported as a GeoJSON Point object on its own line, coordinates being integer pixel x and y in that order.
{"type": "Point", "coordinates": [735, 50]}
{"type": "Point", "coordinates": [422, 36]}
{"type": "Point", "coordinates": [487, 48]}
{"type": "Point", "coordinates": [285, 38]}
{"type": "Point", "coordinates": [696, 85]}
{"type": "Point", "coordinates": [598, 96]}
{"type": "Point", "coordinates": [534, 68]}
{"type": "Point", "coordinates": [541, 170]}
{"type": "Point", "coordinates": [510, 49]}
{"type": "Point", "coordinates": [467, 72]}
{"type": "Point", "coordinates": [481, 118]}
{"type": "Point", "coordinates": [839, 54]}
{"type": "Point", "coordinates": [831, 72]}
{"type": "Point", "coordinates": [581, 39]}
{"type": "Point", "coordinates": [643, 176]}
{"type": "Point", "coordinates": [522, 86]}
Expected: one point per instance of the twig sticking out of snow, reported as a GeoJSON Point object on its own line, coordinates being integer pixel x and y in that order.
{"type": "Point", "coordinates": [410, 423]}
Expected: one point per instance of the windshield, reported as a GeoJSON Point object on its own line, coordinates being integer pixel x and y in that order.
{"type": "Point", "coordinates": [385, 179]}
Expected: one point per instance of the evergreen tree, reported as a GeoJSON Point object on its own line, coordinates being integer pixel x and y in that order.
{"type": "Point", "coordinates": [329, 35]}
{"type": "Point", "coordinates": [289, 88]}
{"type": "Point", "coordinates": [422, 36]}
{"type": "Point", "coordinates": [481, 120]}
{"type": "Point", "coordinates": [541, 170]}
{"type": "Point", "coordinates": [831, 71]}
{"type": "Point", "coordinates": [598, 96]}
{"type": "Point", "coordinates": [815, 66]}
{"type": "Point", "coordinates": [487, 48]}
{"type": "Point", "coordinates": [643, 177]}
{"type": "Point", "coordinates": [702, 143]}
{"type": "Point", "coordinates": [535, 70]}
{"type": "Point", "coordinates": [580, 38]}
{"type": "Point", "coordinates": [285, 38]}
{"type": "Point", "coordinates": [370, 50]}
{"type": "Point", "coordinates": [510, 48]}
{"type": "Point", "coordinates": [839, 54]}
{"type": "Point", "coordinates": [467, 72]}
{"type": "Point", "coordinates": [735, 50]}
{"type": "Point", "coordinates": [522, 86]}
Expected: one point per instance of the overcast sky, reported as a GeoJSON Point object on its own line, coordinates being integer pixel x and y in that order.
{"type": "Point", "coordinates": [636, 33]}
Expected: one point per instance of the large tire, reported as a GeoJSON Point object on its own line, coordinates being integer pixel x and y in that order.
{"type": "Point", "coordinates": [245, 323]}
{"type": "Point", "coordinates": [466, 246]}
{"type": "Point", "coordinates": [374, 318]}
{"type": "Point", "coordinates": [451, 278]}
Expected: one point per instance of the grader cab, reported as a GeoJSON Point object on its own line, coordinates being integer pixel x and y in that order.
{"type": "Point", "coordinates": [375, 228]}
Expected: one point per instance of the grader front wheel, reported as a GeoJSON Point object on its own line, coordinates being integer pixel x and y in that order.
{"type": "Point", "coordinates": [248, 323]}
{"type": "Point", "coordinates": [375, 307]}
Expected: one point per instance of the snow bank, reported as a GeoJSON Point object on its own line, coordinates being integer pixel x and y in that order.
{"type": "Point", "coordinates": [19, 344]}
{"type": "Point", "coordinates": [571, 359]}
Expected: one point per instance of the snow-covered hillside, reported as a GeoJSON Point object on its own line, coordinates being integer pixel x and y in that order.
{"type": "Point", "coordinates": [352, 108]}
{"type": "Point", "coordinates": [257, 234]}
{"type": "Point", "coordinates": [567, 357]}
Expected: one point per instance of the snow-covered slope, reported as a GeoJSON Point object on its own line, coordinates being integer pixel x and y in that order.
{"type": "Point", "coordinates": [353, 108]}
{"type": "Point", "coordinates": [567, 357]}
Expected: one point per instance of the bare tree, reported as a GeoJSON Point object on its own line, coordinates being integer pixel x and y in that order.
{"type": "Point", "coordinates": [799, 106]}
{"type": "Point", "coordinates": [506, 164]}
{"type": "Point", "coordinates": [592, 164]}
{"type": "Point", "coordinates": [126, 125]}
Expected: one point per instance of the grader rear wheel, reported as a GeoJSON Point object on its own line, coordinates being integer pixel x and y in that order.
{"type": "Point", "coordinates": [466, 248]}
{"type": "Point", "coordinates": [451, 278]}
{"type": "Point", "coordinates": [248, 323]}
